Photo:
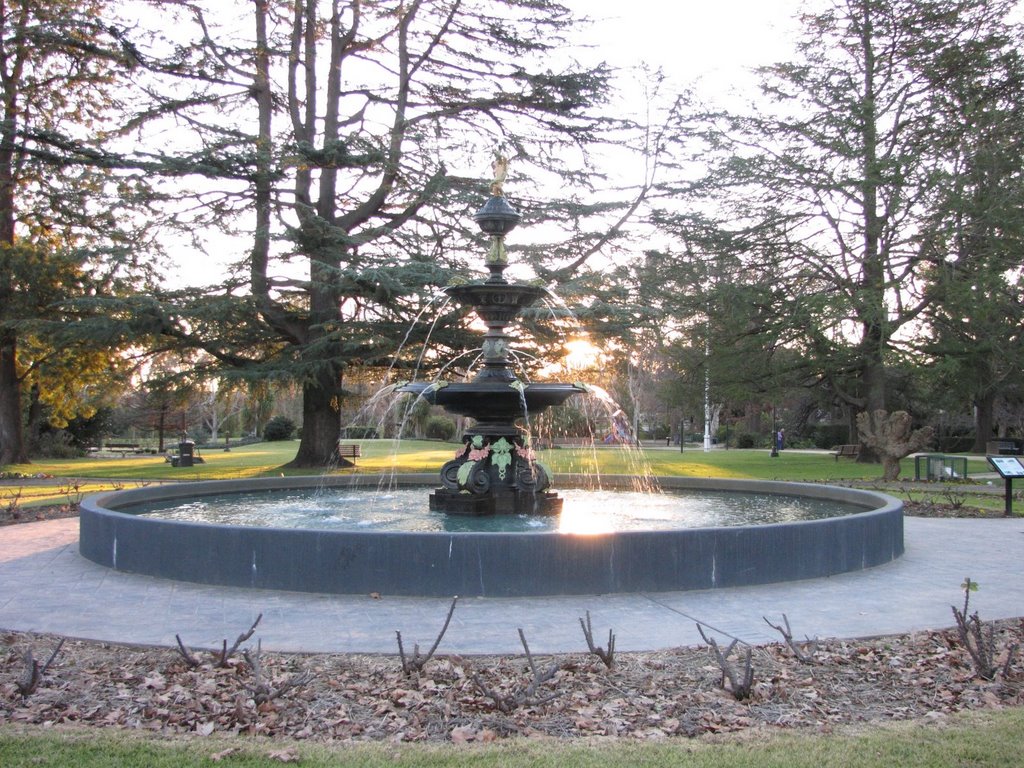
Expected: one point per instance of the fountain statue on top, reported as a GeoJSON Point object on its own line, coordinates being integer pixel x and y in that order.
{"type": "Point", "coordinates": [495, 471]}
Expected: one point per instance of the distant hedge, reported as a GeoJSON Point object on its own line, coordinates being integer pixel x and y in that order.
{"type": "Point", "coordinates": [279, 428]}
{"type": "Point", "coordinates": [439, 428]}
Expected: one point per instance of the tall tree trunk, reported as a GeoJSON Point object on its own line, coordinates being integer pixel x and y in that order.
{"type": "Point", "coordinates": [161, 426]}
{"type": "Point", "coordinates": [321, 424]}
{"type": "Point", "coordinates": [34, 420]}
{"type": "Point", "coordinates": [873, 377]}
{"type": "Point", "coordinates": [12, 443]}
{"type": "Point", "coordinates": [872, 311]}
{"type": "Point", "coordinates": [12, 439]}
{"type": "Point", "coordinates": [321, 396]}
{"type": "Point", "coordinates": [984, 420]}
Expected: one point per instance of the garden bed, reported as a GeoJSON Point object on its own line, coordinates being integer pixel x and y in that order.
{"type": "Point", "coordinates": [670, 693]}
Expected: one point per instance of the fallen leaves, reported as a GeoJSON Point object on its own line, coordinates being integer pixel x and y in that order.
{"type": "Point", "coordinates": [205, 729]}
{"type": "Point", "coordinates": [464, 734]}
{"type": "Point", "coordinates": [369, 698]}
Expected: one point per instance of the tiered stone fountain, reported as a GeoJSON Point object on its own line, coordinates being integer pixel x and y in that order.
{"type": "Point", "coordinates": [495, 471]}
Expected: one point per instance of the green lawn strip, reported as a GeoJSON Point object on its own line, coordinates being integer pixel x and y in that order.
{"type": "Point", "coordinates": [964, 496]}
{"type": "Point", "coordinates": [382, 456]}
{"type": "Point", "coordinates": [975, 739]}
{"type": "Point", "coordinates": [69, 492]}
{"type": "Point", "coordinates": [263, 459]}
{"type": "Point", "coordinates": [245, 461]}
{"type": "Point", "coordinates": [256, 460]}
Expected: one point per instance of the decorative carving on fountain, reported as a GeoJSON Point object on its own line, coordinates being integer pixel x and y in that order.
{"type": "Point", "coordinates": [499, 476]}
{"type": "Point", "coordinates": [495, 471]}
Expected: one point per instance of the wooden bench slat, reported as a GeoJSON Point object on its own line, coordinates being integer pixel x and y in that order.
{"type": "Point", "coordinates": [347, 451]}
{"type": "Point", "coordinates": [847, 451]}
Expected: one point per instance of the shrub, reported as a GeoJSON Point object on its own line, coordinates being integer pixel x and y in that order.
{"type": "Point", "coordinates": [955, 443]}
{"type": "Point", "coordinates": [359, 433]}
{"type": "Point", "coordinates": [57, 444]}
{"type": "Point", "coordinates": [746, 440]}
{"type": "Point", "coordinates": [828, 435]}
{"type": "Point", "coordinates": [279, 428]}
{"type": "Point", "coordinates": [439, 428]}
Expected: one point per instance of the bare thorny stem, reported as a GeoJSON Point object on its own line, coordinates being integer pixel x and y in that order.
{"type": "Point", "coordinates": [417, 662]}
{"type": "Point", "coordinates": [34, 671]}
{"type": "Point", "coordinates": [227, 653]}
{"type": "Point", "coordinates": [12, 502]}
{"type": "Point", "coordinates": [222, 657]}
{"type": "Point", "coordinates": [805, 651]}
{"type": "Point", "coordinates": [739, 685]}
{"type": "Point", "coordinates": [262, 691]}
{"type": "Point", "coordinates": [73, 492]}
{"type": "Point", "coordinates": [521, 696]}
{"type": "Point", "coordinates": [979, 640]}
{"type": "Point", "coordinates": [606, 656]}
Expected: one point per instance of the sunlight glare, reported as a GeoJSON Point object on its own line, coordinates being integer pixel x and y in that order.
{"type": "Point", "coordinates": [581, 354]}
{"type": "Point", "coordinates": [583, 522]}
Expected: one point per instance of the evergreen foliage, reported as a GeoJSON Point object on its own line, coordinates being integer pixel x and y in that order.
{"type": "Point", "coordinates": [66, 210]}
{"type": "Point", "coordinates": [829, 211]}
{"type": "Point", "coordinates": [352, 134]}
{"type": "Point", "coordinates": [279, 428]}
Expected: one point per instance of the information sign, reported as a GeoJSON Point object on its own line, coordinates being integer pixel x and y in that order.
{"type": "Point", "coordinates": [1008, 468]}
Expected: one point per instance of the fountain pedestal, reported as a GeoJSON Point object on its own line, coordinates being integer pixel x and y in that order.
{"type": "Point", "coordinates": [495, 471]}
{"type": "Point", "coordinates": [495, 477]}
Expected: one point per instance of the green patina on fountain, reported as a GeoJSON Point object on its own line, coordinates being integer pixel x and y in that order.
{"type": "Point", "coordinates": [495, 471]}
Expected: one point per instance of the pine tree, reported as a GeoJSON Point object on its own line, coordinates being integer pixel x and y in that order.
{"type": "Point", "coordinates": [60, 233]}
{"type": "Point", "coordinates": [375, 125]}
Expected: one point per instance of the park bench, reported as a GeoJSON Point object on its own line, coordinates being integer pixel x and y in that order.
{"type": "Point", "coordinates": [846, 451]}
{"type": "Point", "coordinates": [1001, 448]}
{"type": "Point", "coordinates": [123, 448]}
{"type": "Point", "coordinates": [349, 451]}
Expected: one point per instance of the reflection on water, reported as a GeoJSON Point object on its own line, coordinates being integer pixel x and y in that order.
{"type": "Point", "coordinates": [584, 512]}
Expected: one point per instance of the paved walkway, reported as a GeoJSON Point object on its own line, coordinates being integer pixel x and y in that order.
{"type": "Point", "coordinates": [46, 586]}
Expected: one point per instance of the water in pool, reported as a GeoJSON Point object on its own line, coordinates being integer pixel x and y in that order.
{"type": "Point", "coordinates": [405, 509]}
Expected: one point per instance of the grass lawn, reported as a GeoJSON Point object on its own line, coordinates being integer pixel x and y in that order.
{"type": "Point", "coordinates": [268, 459]}
{"type": "Point", "coordinates": [263, 459]}
{"type": "Point", "coordinates": [989, 739]}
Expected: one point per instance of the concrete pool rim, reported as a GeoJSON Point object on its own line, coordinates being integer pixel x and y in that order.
{"type": "Point", "coordinates": [440, 564]}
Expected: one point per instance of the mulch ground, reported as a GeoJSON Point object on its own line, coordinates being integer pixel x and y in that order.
{"type": "Point", "coordinates": [678, 692]}
{"type": "Point", "coordinates": [36, 514]}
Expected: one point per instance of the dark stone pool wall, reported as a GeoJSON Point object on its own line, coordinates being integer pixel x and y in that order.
{"type": "Point", "coordinates": [488, 564]}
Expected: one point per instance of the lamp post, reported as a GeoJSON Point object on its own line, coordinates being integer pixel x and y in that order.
{"type": "Point", "coordinates": [775, 440]}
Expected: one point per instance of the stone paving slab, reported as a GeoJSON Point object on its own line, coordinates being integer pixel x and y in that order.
{"type": "Point", "coordinates": [46, 586]}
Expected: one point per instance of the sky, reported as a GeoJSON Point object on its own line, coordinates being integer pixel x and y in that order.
{"type": "Point", "coordinates": [710, 45]}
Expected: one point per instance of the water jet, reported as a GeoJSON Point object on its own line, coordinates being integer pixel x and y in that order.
{"type": "Point", "coordinates": [495, 472]}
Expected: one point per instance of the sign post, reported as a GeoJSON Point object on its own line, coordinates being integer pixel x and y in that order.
{"type": "Point", "coordinates": [1008, 468]}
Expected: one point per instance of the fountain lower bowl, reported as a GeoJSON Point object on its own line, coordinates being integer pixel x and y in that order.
{"type": "Point", "coordinates": [493, 564]}
{"type": "Point", "coordinates": [494, 402]}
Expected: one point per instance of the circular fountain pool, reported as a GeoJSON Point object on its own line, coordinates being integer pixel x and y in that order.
{"type": "Point", "coordinates": [739, 533]}
{"type": "Point", "coordinates": [605, 510]}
